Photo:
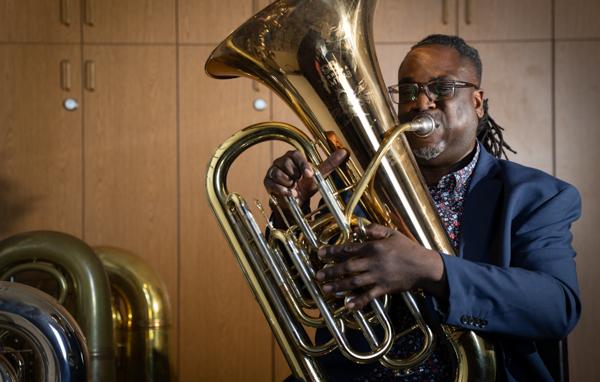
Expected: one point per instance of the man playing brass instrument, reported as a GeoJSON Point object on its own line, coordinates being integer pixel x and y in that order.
{"type": "Point", "coordinates": [514, 278]}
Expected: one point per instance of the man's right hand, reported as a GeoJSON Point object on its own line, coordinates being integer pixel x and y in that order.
{"type": "Point", "coordinates": [292, 175]}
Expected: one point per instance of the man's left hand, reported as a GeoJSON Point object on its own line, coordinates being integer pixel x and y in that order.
{"type": "Point", "coordinates": [388, 262]}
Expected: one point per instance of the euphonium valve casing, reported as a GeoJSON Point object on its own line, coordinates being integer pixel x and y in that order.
{"type": "Point", "coordinates": [319, 57]}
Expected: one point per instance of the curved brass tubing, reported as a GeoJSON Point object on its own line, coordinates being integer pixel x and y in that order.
{"type": "Point", "coordinates": [141, 317]}
{"type": "Point", "coordinates": [93, 304]}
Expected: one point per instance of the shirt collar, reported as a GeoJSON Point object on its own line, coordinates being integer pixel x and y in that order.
{"type": "Point", "coordinates": [459, 179]}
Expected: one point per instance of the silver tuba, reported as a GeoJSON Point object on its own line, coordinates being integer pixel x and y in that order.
{"type": "Point", "coordinates": [319, 57]}
{"type": "Point", "coordinates": [40, 340]}
{"type": "Point", "coordinates": [77, 269]}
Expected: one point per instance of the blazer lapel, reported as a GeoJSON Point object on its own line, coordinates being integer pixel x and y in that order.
{"type": "Point", "coordinates": [480, 210]}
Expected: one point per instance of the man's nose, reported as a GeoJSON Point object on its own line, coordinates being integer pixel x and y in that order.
{"type": "Point", "coordinates": [423, 102]}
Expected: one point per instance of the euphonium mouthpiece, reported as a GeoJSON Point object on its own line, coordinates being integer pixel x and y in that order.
{"type": "Point", "coordinates": [423, 125]}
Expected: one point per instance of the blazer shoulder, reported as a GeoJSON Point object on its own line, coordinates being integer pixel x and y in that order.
{"type": "Point", "coordinates": [535, 187]}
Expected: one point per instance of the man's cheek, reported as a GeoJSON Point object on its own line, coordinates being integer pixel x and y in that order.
{"type": "Point", "coordinates": [403, 115]}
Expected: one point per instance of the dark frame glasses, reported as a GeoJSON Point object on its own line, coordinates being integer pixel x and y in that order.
{"type": "Point", "coordinates": [436, 90]}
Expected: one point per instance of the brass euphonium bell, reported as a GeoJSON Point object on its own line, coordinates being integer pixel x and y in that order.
{"type": "Point", "coordinates": [319, 57]}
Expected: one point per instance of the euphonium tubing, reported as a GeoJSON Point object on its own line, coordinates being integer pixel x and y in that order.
{"type": "Point", "coordinates": [319, 57]}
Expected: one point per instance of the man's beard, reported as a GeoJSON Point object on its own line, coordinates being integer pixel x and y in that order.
{"type": "Point", "coordinates": [430, 152]}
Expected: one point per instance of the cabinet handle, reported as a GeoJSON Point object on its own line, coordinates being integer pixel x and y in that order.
{"type": "Point", "coordinates": [65, 75]}
{"type": "Point", "coordinates": [255, 86]}
{"type": "Point", "coordinates": [90, 75]}
{"type": "Point", "coordinates": [65, 12]}
{"type": "Point", "coordinates": [468, 12]}
{"type": "Point", "coordinates": [88, 7]}
{"type": "Point", "coordinates": [445, 12]}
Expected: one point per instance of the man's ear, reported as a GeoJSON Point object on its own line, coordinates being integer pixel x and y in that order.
{"type": "Point", "coordinates": [478, 102]}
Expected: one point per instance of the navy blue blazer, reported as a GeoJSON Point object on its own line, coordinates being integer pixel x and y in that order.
{"type": "Point", "coordinates": [513, 279]}
{"type": "Point", "coordinates": [514, 276]}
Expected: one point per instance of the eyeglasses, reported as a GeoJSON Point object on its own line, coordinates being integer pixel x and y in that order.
{"type": "Point", "coordinates": [437, 90]}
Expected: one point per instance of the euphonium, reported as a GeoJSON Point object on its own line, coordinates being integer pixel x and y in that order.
{"type": "Point", "coordinates": [319, 57]}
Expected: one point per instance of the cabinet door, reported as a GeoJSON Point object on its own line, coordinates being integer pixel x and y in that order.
{"type": "Point", "coordinates": [485, 20]}
{"type": "Point", "coordinates": [577, 18]}
{"type": "Point", "coordinates": [517, 80]}
{"type": "Point", "coordinates": [40, 21]}
{"type": "Point", "coordinates": [40, 141]}
{"type": "Point", "coordinates": [210, 21]}
{"type": "Point", "coordinates": [130, 155]}
{"type": "Point", "coordinates": [224, 335]}
{"type": "Point", "coordinates": [577, 158]}
{"type": "Point", "coordinates": [410, 21]}
{"type": "Point", "coordinates": [132, 21]}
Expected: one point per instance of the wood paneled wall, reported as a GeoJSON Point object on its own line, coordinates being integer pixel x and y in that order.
{"type": "Point", "coordinates": [127, 167]}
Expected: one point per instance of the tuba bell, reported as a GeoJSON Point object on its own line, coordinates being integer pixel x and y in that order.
{"type": "Point", "coordinates": [319, 57]}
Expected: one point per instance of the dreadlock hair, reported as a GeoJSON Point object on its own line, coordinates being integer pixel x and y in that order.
{"type": "Point", "coordinates": [489, 133]}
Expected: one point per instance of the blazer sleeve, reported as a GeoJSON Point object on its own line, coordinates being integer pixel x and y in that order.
{"type": "Point", "coordinates": [536, 296]}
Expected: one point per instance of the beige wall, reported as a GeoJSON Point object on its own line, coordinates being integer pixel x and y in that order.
{"type": "Point", "coordinates": [126, 168]}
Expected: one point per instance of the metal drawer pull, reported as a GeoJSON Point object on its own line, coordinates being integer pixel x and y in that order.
{"type": "Point", "coordinates": [468, 12]}
{"type": "Point", "coordinates": [90, 75]}
{"type": "Point", "coordinates": [65, 75]}
{"type": "Point", "coordinates": [65, 12]}
{"type": "Point", "coordinates": [445, 12]}
{"type": "Point", "coordinates": [87, 12]}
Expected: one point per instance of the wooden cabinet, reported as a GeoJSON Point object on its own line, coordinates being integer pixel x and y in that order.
{"type": "Point", "coordinates": [131, 21]}
{"type": "Point", "coordinates": [576, 19]}
{"type": "Point", "coordinates": [485, 20]}
{"type": "Point", "coordinates": [40, 21]}
{"type": "Point", "coordinates": [520, 97]}
{"type": "Point", "coordinates": [40, 141]}
{"type": "Point", "coordinates": [577, 154]}
{"type": "Point", "coordinates": [225, 336]}
{"type": "Point", "coordinates": [410, 21]}
{"type": "Point", "coordinates": [210, 21]}
{"type": "Point", "coordinates": [390, 57]}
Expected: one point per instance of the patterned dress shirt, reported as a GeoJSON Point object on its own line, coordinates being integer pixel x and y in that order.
{"type": "Point", "coordinates": [448, 196]}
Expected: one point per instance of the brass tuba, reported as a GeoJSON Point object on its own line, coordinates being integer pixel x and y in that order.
{"type": "Point", "coordinates": [141, 322]}
{"type": "Point", "coordinates": [319, 57]}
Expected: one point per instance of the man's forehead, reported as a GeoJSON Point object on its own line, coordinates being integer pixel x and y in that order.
{"type": "Point", "coordinates": [434, 61]}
